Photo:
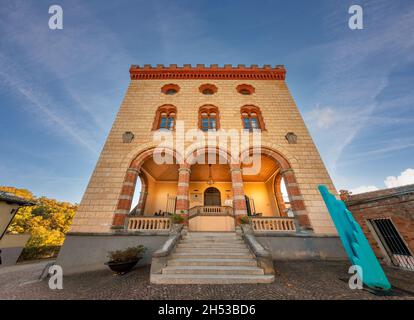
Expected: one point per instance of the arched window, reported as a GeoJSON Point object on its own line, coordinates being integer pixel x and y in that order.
{"type": "Point", "coordinates": [212, 197]}
{"type": "Point", "coordinates": [208, 118]}
{"type": "Point", "coordinates": [170, 89]}
{"type": "Point", "coordinates": [165, 118]}
{"type": "Point", "coordinates": [208, 89]}
{"type": "Point", "coordinates": [245, 89]}
{"type": "Point", "coordinates": [252, 118]}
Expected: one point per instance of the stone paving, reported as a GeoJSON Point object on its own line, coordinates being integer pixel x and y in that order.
{"type": "Point", "coordinates": [294, 280]}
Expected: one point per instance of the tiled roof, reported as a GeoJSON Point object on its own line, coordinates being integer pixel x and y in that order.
{"type": "Point", "coordinates": [10, 198]}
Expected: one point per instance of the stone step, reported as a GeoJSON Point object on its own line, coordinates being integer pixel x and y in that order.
{"type": "Point", "coordinates": [211, 250]}
{"type": "Point", "coordinates": [212, 270]}
{"type": "Point", "coordinates": [209, 245]}
{"type": "Point", "coordinates": [209, 278]}
{"type": "Point", "coordinates": [213, 238]}
{"type": "Point", "coordinates": [241, 241]}
{"type": "Point", "coordinates": [212, 262]}
{"type": "Point", "coordinates": [212, 234]}
{"type": "Point", "coordinates": [212, 255]}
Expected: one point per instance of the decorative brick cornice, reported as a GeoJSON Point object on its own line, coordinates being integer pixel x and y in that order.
{"type": "Point", "coordinates": [241, 72]}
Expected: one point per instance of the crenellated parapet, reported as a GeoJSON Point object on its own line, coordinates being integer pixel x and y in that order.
{"type": "Point", "coordinates": [214, 71]}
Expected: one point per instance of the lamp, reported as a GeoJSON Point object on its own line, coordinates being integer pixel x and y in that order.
{"type": "Point", "coordinates": [210, 178]}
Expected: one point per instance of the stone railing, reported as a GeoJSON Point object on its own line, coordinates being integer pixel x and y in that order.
{"type": "Point", "coordinates": [149, 223]}
{"type": "Point", "coordinates": [273, 224]}
{"type": "Point", "coordinates": [211, 211]}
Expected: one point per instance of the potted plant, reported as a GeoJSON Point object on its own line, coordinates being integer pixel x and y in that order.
{"type": "Point", "coordinates": [177, 218]}
{"type": "Point", "coordinates": [122, 261]}
{"type": "Point", "coordinates": [244, 220]}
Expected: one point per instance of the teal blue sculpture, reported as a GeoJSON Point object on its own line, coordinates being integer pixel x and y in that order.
{"type": "Point", "coordinates": [355, 243]}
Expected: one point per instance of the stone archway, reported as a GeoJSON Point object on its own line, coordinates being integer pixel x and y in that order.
{"type": "Point", "coordinates": [128, 187]}
{"type": "Point", "coordinates": [235, 177]}
{"type": "Point", "coordinates": [286, 172]}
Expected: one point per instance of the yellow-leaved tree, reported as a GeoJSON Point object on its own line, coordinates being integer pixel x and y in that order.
{"type": "Point", "coordinates": [47, 222]}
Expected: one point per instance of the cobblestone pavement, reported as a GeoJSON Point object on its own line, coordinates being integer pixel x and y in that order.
{"type": "Point", "coordinates": [294, 280]}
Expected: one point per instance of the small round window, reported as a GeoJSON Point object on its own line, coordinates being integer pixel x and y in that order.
{"type": "Point", "coordinates": [208, 89]}
{"type": "Point", "coordinates": [208, 92]}
{"type": "Point", "coordinates": [171, 92]}
{"type": "Point", "coordinates": [170, 89]}
{"type": "Point", "coordinates": [245, 89]}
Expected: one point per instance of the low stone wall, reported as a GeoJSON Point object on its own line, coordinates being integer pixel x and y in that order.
{"type": "Point", "coordinates": [83, 252]}
{"type": "Point", "coordinates": [211, 223]}
{"type": "Point", "coordinates": [11, 246]}
{"type": "Point", "coordinates": [302, 247]}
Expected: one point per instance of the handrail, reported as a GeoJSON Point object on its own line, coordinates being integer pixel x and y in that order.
{"type": "Point", "coordinates": [149, 223]}
{"type": "Point", "coordinates": [273, 224]}
{"type": "Point", "coordinates": [210, 211]}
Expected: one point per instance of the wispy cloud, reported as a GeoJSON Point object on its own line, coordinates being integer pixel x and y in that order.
{"type": "Point", "coordinates": [406, 177]}
{"type": "Point", "coordinates": [12, 77]}
{"type": "Point", "coordinates": [56, 59]}
{"type": "Point", "coordinates": [352, 77]}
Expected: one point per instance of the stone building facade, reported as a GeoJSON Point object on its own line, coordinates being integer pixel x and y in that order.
{"type": "Point", "coordinates": [244, 98]}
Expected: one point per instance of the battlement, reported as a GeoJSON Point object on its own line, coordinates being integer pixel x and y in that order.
{"type": "Point", "coordinates": [214, 71]}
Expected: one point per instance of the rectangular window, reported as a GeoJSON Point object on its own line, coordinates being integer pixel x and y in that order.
{"type": "Point", "coordinates": [163, 122]}
{"type": "Point", "coordinates": [212, 123]}
{"type": "Point", "coordinates": [170, 123]}
{"type": "Point", "coordinates": [204, 124]}
{"type": "Point", "coordinates": [392, 242]}
{"type": "Point", "coordinates": [254, 123]}
{"type": "Point", "coordinates": [246, 123]}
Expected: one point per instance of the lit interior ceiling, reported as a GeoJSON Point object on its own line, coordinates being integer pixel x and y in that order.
{"type": "Point", "coordinates": [200, 172]}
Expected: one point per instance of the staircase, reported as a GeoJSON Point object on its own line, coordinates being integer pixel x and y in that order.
{"type": "Point", "coordinates": [211, 258]}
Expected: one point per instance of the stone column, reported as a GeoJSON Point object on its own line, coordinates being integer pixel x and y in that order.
{"type": "Point", "coordinates": [125, 198]}
{"type": "Point", "coordinates": [139, 209]}
{"type": "Point", "coordinates": [182, 204]}
{"type": "Point", "coordinates": [280, 202]}
{"type": "Point", "coordinates": [296, 200]}
{"type": "Point", "coordinates": [239, 200]}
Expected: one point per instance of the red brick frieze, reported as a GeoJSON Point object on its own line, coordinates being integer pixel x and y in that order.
{"type": "Point", "coordinates": [200, 71]}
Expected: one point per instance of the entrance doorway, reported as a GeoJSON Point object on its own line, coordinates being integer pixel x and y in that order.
{"type": "Point", "coordinates": [212, 197]}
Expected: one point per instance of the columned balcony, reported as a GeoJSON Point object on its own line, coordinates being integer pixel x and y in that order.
{"type": "Point", "coordinates": [211, 211]}
{"type": "Point", "coordinates": [273, 224]}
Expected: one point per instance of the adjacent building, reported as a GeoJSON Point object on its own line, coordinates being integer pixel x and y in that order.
{"type": "Point", "coordinates": [387, 219]}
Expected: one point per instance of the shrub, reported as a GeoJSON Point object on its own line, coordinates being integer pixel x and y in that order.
{"type": "Point", "coordinates": [244, 220]}
{"type": "Point", "coordinates": [41, 252]}
{"type": "Point", "coordinates": [127, 254]}
{"type": "Point", "coordinates": [176, 218]}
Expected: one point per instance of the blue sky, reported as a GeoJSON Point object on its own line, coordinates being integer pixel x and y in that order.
{"type": "Point", "coordinates": [60, 90]}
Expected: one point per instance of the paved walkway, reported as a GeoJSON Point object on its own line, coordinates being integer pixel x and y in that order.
{"type": "Point", "coordinates": [294, 280]}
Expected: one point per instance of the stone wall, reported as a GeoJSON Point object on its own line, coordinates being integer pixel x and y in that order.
{"type": "Point", "coordinates": [302, 247]}
{"type": "Point", "coordinates": [88, 252]}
